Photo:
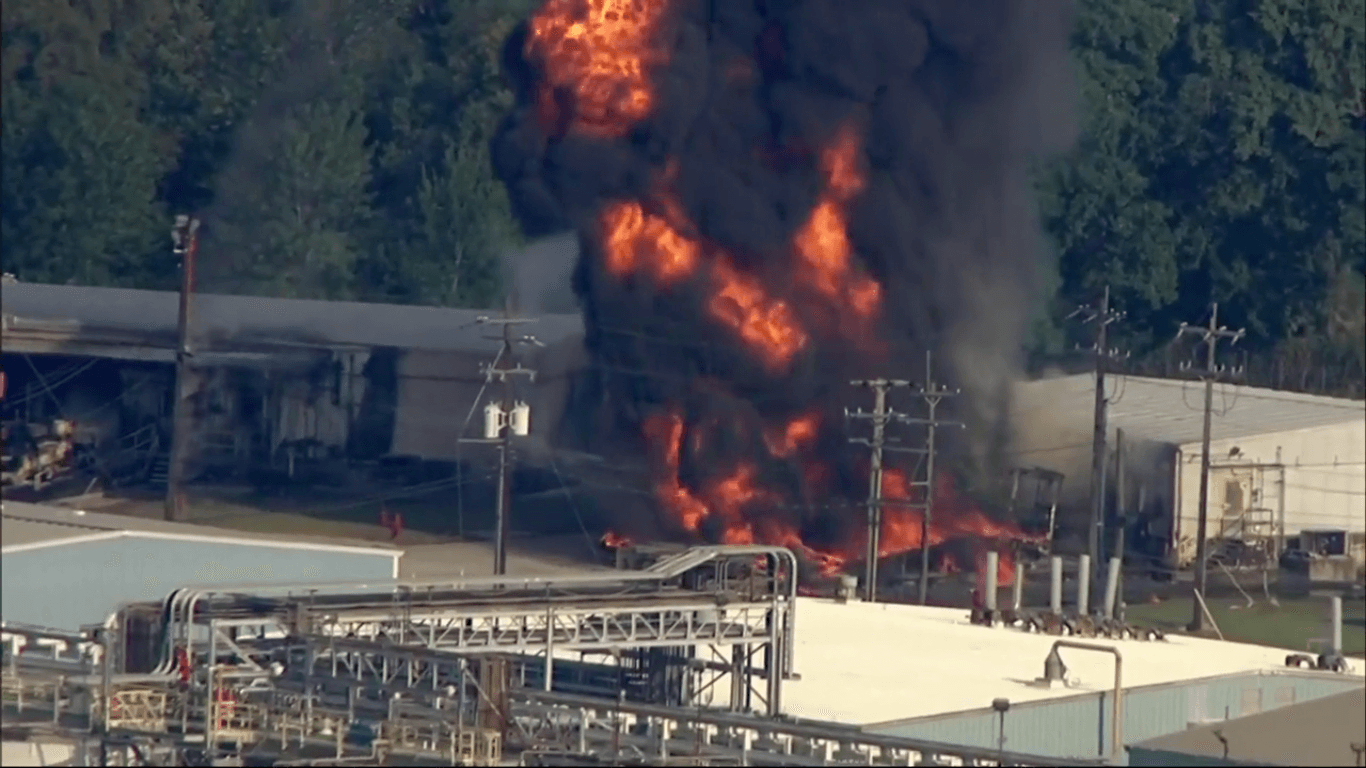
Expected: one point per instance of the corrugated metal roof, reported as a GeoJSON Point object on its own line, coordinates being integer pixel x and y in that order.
{"type": "Point", "coordinates": [270, 320]}
{"type": "Point", "coordinates": [25, 525]}
{"type": "Point", "coordinates": [1169, 411]}
{"type": "Point", "coordinates": [1319, 732]}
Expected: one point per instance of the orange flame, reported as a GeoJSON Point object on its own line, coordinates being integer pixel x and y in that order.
{"type": "Point", "coordinates": [743, 509]}
{"type": "Point", "coordinates": [613, 540]}
{"type": "Point", "coordinates": [794, 436]}
{"type": "Point", "coordinates": [601, 52]}
{"type": "Point", "coordinates": [597, 57]}
{"type": "Point", "coordinates": [665, 431]}
{"type": "Point", "coordinates": [822, 244]}
{"type": "Point", "coordinates": [636, 242]}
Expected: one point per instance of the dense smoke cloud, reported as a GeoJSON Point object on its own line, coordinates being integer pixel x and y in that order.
{"type": "Point", "coordinates": [951, 103]}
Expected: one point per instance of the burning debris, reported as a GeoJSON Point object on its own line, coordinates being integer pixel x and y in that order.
{"type": "Point", "coordinates": [774, 198]}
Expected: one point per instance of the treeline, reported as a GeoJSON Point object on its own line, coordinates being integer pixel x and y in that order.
{"type": "Point", "coordinates": [339, 149]}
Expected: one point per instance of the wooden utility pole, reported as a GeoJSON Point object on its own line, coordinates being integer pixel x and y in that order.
{"type": "Point", "coordinates": [880, 417]}
{"type": "Point", "coordinates": [504, 369]}
{"type": "Point", "coordinates": [185, 236]}
{"type": "Point", "coordinates": [1210, 337]}
{"type": "Point", "coordinates": [1102, 316]}
{"type": "Point", "coordinates": [932, 394]}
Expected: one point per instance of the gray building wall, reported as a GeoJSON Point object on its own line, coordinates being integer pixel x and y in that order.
{"type": "Point", "coordinates": [69, 584]}
{"type": "Point", "coordinates": [1161, 758]}
{"type": "Point", "coordinates": [1079, 726]}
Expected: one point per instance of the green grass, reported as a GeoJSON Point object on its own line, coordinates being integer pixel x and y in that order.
{"type": "Point", "coordinates": [1292, 624]}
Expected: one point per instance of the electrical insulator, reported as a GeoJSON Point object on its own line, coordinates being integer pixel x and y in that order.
{"type": "Point", "coordinates": [521, 419]}
{"type": "Point", "coordinates": [493, 421]}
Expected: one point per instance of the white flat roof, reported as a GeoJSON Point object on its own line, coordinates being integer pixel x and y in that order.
{"type": "Point", "coordinates": [866, 663]}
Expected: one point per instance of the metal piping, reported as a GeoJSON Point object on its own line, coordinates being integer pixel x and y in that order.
{"type": "Point", "coordinates": [182, 603]}
{"type": "Point", "coordinates": [1116, 703]}
{"type": "Point", "coordinates": [1083, 585]}
{"type": "Point", "coordinates": [1055, 586]}
{"type": "Point", "coordinates": [990, 577]}
{"type": "Point", "coordinates": [1017, 587]}
{"type": "Point", "coordinates": [1335, 611]}
{"type": "Point", "coordinates": [1112, 587]}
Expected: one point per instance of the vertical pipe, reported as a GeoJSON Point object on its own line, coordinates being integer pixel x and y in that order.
{"type": "Point", "coordinates": [1055, 585]}
{"type": "Point", "coordinates": [211, 693]}
{"type": "Point", "coordinates": [1335, 609]}
{"type": "Point", "coordinates": [1117, 712]}
{"type": "Point", "coordinates": [992, 571]}
{"type": "Point", "coordinates": [1017, 588]}
{"type": "Point", "coordinates": [549, 644]}
{"type": "Point", "coordinates": [1112, 587]}
{"type": "Point", "coordinates": [1083, 584]}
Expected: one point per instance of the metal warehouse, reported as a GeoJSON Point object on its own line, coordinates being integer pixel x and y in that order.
{"type": "Point", "coordinates": [1282, 463]}
{"type": "Point", "coordinates": [927, 673]}
{"type": "Point", "coordinates": [64, 568]}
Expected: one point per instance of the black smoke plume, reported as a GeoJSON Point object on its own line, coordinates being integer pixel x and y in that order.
{"type": "Point", "coordinates": [956, 102]}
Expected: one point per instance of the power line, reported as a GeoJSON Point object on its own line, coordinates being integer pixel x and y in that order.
{"type": "Point", "coordinates": [1210, 336]}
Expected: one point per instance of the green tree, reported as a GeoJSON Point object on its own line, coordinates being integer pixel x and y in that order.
{"type": "Point", "coordinates": [81, 164]}
{"type": "Point", "coordinates": [289, 223]}
{"type": "Point", "coordinates": [444, 218]}
{"type": "Point", "coordinates": [1222, 155]}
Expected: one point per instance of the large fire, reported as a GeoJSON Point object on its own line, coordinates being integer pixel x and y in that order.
{"type": "Point", "coordinates": [596, 59]}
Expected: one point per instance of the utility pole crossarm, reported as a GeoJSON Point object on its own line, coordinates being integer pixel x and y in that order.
{"type": "Point", "coordinates": [1210, 336]}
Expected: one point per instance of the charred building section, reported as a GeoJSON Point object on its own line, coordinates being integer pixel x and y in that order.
{"type": "Point", "coordinates": [282, 391]}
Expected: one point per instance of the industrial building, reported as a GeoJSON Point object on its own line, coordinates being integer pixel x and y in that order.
{"type": "Point", "coordinates": [1281, 463]}
{"type": "Point", "coordinates": [1328, 731]}
{"type": "Point", "coordinates": [278, 383]}
{"type": "Point", "coordinates": [927, 673]}
{"type": "Point", "coordinates": [707, 654]}
{"type": "Point", "coordinates": [65, 568]}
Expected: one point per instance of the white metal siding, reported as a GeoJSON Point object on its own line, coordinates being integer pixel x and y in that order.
{"type": "Point", "coordinates": [1324, 479]}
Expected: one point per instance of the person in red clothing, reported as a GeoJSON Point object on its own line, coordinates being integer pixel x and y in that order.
{"type": "Point", "coordinates": [393, 523]}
